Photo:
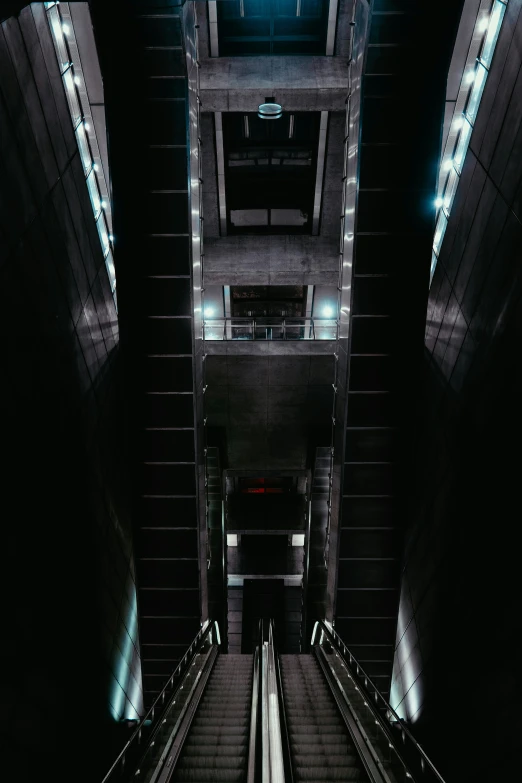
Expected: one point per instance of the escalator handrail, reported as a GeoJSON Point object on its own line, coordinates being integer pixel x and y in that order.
{"type": "Point", "coordinates": [161, 703]}
{"type": "Point", "coordinates": [289, 774]}
{"type": "Point", "coordinates": [252, 762]}
{"type": "Point", "coordinates": [273, 768]}
{"type": "Point", "coordinates": [365, 681]}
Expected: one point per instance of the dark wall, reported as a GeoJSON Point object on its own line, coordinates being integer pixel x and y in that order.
{"type": "Point", "coordinates": [70, 667]}
{"type": "Point", "coordinates": [270, 407]}
{"type": "Point", "coordinates": [457, 663]}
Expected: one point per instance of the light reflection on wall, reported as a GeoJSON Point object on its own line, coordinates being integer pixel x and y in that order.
{"type": "Point", "coordinates": [126, 695]}
{"type": "Point", "coordinates": [407, 687]}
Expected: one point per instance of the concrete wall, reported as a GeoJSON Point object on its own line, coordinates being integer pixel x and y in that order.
{"type": "Point", "coordinates": [70, 662]}
{"type": "Point", "coordinates": [457, 662]}
{"type": "Point", "coordinates": [269, 406]}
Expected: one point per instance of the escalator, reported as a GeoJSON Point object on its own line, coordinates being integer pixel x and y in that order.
{"type": "Point", "coordinates": [217, 744]}
{"type": "Point", "coordinates": [265, 718]}
{"type": "Point", "coordinates": [320, 746]}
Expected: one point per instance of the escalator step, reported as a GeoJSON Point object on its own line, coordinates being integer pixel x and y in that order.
{"type": "Point", "coordinates": [216, 748]}
{"type": "Point", "coordinates": [320, 745]}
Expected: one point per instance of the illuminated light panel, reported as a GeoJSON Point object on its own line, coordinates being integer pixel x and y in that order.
{"type": "Point", "coordinates": [298, 539]}
{"type": "Point", "coordinates": [62, 33]}
{"type": "Point", "coordinates": [489, 26]}
{"type": "Point", "coordinates": [231, 539]}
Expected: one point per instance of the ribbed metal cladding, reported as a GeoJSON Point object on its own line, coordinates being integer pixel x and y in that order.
{"type": "Point", "coordinates": [146, 89]}
{"type": "Point", "coordinates": [401, 113]}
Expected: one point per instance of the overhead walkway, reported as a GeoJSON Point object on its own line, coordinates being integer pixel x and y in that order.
{"type": "Point", "coordinates": [265, 718]}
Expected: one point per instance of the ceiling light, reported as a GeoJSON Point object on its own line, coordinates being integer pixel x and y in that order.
{"type": "Point", "coordinates": [298, 539]}
{"type": "Point", "coordinates": [483, 24]}
{"type": "Point", "coordinates": [86, 126]}
{"type": "Point", "coordinates": [438, 202]}
{"type": "Point", "coordinates": [231, 539]}
{"type": "Point", "coordinates": [103, 204]}
{"type": "Point", "coordinates": [77, 80]}
{"type": "Point", "coordinates": [328, 311]}
{"type": "Point", "coordinates": [269, 111]}
{"type": "Point", "coordinates": [111, 237]}
{"type": "Point", "coordinates": [470, 77]}
{"type": "Point", "coordinates": [459, 122]}
{"type": "Point", "coordinates": [447, 165]}
{"type": "Point", "coordinates": [95, 166]}
{"type": "Point", "coordinates": [209, 312]}
{"type": "Point", "coordinates": [66, 29]}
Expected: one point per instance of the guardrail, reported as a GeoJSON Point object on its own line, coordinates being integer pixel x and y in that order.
{"type": "Point", "coordinates": [270, 328]}
{"type": "Point", "coordinates": [271, 744]}
{"type": "Point", "coordinates": [139, 739]}
{"type": "Point", "coordinates": [417, 766]}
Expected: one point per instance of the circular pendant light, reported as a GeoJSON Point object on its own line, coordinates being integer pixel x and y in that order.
{"type": "Point", "coordinates": [269, 111]}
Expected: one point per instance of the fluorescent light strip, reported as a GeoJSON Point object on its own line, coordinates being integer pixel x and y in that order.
{"type": "Point", "coordinates": [62, 32]}
{"type": "Point", "coordinates": [470, 93]}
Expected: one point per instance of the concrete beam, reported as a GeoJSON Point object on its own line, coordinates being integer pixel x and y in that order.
{"type": "Point", "coordinates": [271, 260]}
{"type": "Point", "coordinates": [270, 347]}
{"type": "Point", "coordinates": [242, 83]}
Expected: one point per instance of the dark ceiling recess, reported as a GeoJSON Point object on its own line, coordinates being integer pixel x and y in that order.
{"type": "Point", "coordinates": [253, 27]}
{"type": "Point", "coordinates": [270, 172]}
{"type": "Point", "coordinates": [268, 300]}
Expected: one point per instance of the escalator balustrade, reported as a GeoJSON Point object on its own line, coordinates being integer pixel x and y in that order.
{"type": "Point", "coordinates": [263, 719]}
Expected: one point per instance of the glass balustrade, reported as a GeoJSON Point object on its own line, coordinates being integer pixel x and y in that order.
{"type": "Point", "coordinates": [270, 328]}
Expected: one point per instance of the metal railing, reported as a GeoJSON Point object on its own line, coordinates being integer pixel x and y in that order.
{"type": "Point", "coordinates": [414, 760]}
{"type": "Point", "coordinates": [137, 744]}
{"type": "Point", "coordinates": [272, 762]}
{"type": "Point", "coordinates": [270, 328]}
{"type": "Point", "coordinates": [252, 745]}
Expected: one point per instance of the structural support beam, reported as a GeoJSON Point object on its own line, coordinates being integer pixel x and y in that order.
{"type": "Point", "coordinates": [321, 154]}
{"type": "Point", "coordinates": [220, 160]}
{"type": "Point", "coordinates": [242, 83]}
{"type": "Point", "coordinates": [276, 260]}
{"type": "Point", "coordinates": [332, 27]}
{"type": "Point", "coordinates": [213, 28]}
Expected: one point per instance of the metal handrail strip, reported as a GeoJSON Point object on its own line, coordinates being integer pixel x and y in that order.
{"type": "Point", "coordinates": [356, 668]}
{"type": "Point", "coordinates": [361, 741]}
{"type": "Point", "coordinates": [170, 756]}
{"type": "Point", "coordinates": [265, 736]}
{"type": "Point", "coordinates": [251, 774]}
{"type": "Point", "coordinates": [277, 771]}
{"type": "Point", "coordinates": [289, 773]}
